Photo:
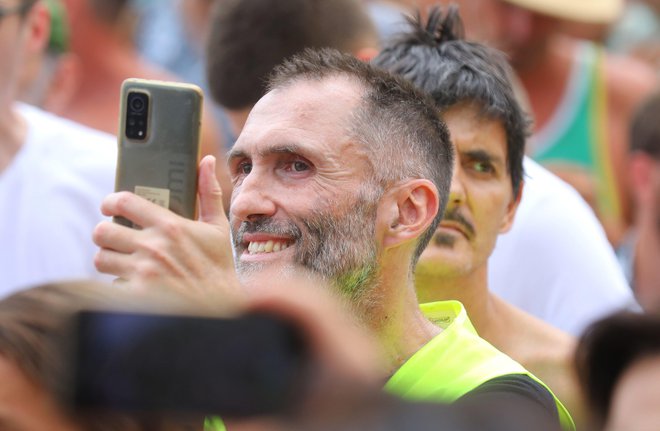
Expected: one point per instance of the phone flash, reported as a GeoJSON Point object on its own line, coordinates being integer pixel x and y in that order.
{"type": "Point", "coordinates": [140, 133]}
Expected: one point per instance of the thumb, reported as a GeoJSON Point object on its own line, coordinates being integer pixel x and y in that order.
{"type": "Point", "coordinates": [210, 193]}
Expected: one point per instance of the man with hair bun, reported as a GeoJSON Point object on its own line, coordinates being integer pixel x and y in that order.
{"type": "Point", "coordinates": [470, 85]}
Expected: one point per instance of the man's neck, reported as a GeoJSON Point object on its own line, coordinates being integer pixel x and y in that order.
{"type": "Point", "coordinates": [396, 319]}
{"type": "Point", "coordinates": [471, 289]}
{"type": "Point", "coordinates": [13, 130]}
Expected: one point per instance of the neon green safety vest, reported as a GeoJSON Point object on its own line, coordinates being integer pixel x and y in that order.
{"type": "Point", "coordinates": [455, 362]}
{"type": "Point", "coordinates": [450, 365]}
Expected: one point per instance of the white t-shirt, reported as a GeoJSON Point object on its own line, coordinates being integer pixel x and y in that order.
{"type": "Point", "coordinates": [50, 197]}
{"type": "Point", "coordinates": [556, 262]}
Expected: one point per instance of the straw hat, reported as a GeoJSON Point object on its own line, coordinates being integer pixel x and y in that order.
{"type": "Point", "coordinates": [587, 11]}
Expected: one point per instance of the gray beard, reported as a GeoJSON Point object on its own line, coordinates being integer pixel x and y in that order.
{"type": "Point", "coordinates": [339, 248]}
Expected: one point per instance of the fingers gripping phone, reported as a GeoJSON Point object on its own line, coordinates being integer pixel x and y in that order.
{"type": "Point", "coordinates": [159, 133]}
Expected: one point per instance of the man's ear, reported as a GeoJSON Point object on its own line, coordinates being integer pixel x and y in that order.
{"type": "Point", "coordinates": [38, 22]}
{"type": "Point", "coordinates": [507, 221]}
{"type": "Point", "coordinates": [408, 210]}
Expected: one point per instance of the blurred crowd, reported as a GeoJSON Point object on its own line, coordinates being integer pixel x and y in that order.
{"type": "Point", "coordinates": [450, 207]}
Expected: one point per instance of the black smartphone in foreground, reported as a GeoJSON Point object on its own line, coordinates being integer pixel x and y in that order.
{"type": "Point", "coordinates": [240, 367]}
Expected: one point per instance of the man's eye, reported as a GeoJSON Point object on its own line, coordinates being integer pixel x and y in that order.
{"type": "Point", "coordinates": [299, 166]}
{"type": "Point", "coordinates": [483, 167]}
{"type": "Point", "coordinates": [245, 168]}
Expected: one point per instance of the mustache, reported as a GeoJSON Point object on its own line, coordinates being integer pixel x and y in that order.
{"type": "Point", "coordinates": [456, 216]}
{"type": "Point", "coordinates": [269, 226]}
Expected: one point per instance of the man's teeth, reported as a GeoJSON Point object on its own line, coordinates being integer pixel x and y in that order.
{"type": "Point", "coordinates": [269, 246]}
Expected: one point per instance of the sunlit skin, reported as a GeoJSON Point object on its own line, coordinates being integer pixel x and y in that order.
{"type": "Point", "coordinates": [26, 406]}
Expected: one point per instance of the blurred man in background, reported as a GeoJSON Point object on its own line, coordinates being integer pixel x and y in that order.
{"type": "Point", "coordinates": [53, 173]}
{"type": "Point", "coordinates": [640, 252]}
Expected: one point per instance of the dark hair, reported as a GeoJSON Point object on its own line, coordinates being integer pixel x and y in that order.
{"type": "Point", "coordinates": [645, 127]}
{"type": "Point", "coordinates": [396, 123]}
{"type": "Point", "coordinates": [437, 59]}
{"type": "Point", "coordinates": [607, 349]}
{"type": "Point", "coordinates": [248, 38]}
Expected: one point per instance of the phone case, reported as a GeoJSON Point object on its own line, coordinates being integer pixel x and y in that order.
{"type": "Point", "coordinates": [162, 167]}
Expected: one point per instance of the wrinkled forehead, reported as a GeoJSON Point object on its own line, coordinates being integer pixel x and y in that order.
{"type": "Point", "coordinates": [312, 115]}
{"type": "Point", "coordinates": [308, 103]}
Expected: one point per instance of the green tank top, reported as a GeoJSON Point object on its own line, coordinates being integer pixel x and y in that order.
{"type": "Point", "coordinates": [577, 133]}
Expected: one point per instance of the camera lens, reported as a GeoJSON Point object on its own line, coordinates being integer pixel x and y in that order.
{"type": "Point", "coordinates": [137, 102]}
{"type": "Point", "coordinates": [137, 112]}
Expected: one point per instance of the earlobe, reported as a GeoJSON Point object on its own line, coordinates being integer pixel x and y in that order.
{"type": "Point", "coordinates": [410, 210]}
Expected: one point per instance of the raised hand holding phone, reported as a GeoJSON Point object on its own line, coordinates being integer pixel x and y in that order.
{"type": "Point", "coordinates": [170, 250]}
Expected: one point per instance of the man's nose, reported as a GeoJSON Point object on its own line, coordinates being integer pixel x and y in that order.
{"type": "Point", "coordinates": [457, 189]}
{"type": "Point", "coordinates": [253, 198]}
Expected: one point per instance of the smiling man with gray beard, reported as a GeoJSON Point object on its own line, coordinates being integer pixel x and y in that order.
{"type": "Point", "coordinates": [343, 169]}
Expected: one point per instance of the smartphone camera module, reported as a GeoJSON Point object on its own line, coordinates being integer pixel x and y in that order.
{"type": "Point", "coordinates": [137, 115]}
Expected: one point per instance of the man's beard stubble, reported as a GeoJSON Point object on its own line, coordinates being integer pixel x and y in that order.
{"type": "Point", "coordinates": [340, 248]}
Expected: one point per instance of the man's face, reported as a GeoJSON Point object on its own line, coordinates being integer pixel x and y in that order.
{"type": "Point", "coordinates": [481, 201]}
{"type": "Point", "coordinates": [299, 195]}
{"type": "Point", "coordinates": [24, 406]}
